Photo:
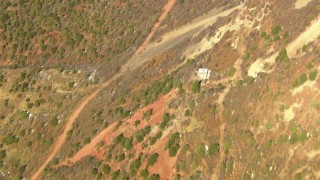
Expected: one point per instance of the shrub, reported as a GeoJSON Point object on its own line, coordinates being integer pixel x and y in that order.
{"type": "Point", "coordinates": [134, 166]}
{"type": "Point", "coordinates": [231, 72]}
{"type": "Point", "coordinates": [115, 175]}
{"type": "Point", "coordinates": [303, 78]}
{"type": "Point", "coordinates": [249, 79]}
{"type": "Point", "coordinates": [201, 150]}
{"type": "Point", "coordinates": [121, 157]}
{"type": "Point", "coordinates": [23, 114]}
{"type": "Point", "coordinates": [304, 48]}
{"type": "Point", "coordinates": [154, 177]}
{"type": "Point", "coordinates": [196, 85]}
{"type": "Point", "coordinates": [190, 61]}
{"type": "Point", "coordinates": [140, 134]}
{"type": "Point", "coordinates": [173, 144]}
{"type": "Point", "coordinates": [144, 173]}
{"type": "Point", "coordinates": [94, 171]}
{"type": "Point", "coordinates": [174, 150]}
{"type": "Point", "coordinates": [293, 138]}
{"type": "Point", "coordinates": [153, 140]}
{"type": "Point", "coordinates": [313, 75]}
{"type": "Point", "coordinates": [246, 56]}
{"type": "Point", "coordinates": [153, 159]}
{"type": "Point", "coordinates": [136, 123]}
{"type": "Point", "coordinates": [276, 37]}
{"type": "Point", "coordinates": [283, 55]}
{"type": "Point", "coordinates": [214, 149]}
{"type": "Point", "coordinates": [128, 143]}
{"type": "Point", "coordinates": [276, 29]}
{"type": "Point", "coordinates": [187, 112]}
{"type": "Point", "coordinates": [263, 34]}
{"type": "Point", "coordinates": [3, 154]}
{"type": "Point", "coordinates": [286, 34]}
{"type": "Point", "coordinates": [54, 121]}
{"type": "Point", "coordinates": [71, 84]}
{"type": "Point", "coordinates": [165, 121]}
{"type": "Point", "coordinates": [10, 139]}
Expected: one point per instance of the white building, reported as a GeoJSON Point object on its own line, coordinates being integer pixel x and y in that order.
{"type": "Point", "coordinates": [203, 74]}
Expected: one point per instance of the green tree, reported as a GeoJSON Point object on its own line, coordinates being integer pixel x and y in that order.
{"type": "Point", "coordinates": [153, 159]}
{"type": "Point", "coordinates": [106, 169]}
{"type": "Point", "coordinates": [196, 86]}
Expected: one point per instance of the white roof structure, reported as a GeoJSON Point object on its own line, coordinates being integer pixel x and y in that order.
{"type": "Point", "coordinates": [203, 74]}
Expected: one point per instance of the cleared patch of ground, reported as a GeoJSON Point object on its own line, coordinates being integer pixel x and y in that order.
{"type": "Point", "coordinates": [301, 3]}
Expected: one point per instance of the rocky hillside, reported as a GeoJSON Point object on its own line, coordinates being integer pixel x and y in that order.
{"type": "Point", "coordinates": [175, 89]}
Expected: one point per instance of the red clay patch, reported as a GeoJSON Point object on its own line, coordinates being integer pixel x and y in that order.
{"type": "Point", "coordinates": [127, 128]}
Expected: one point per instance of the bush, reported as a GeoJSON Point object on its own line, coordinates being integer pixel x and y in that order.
{"type": "Point", "coordinates": [293, 138]}
{"type": "Point", "coordinates": [115, 175]}
{"type": "Point", "coordinates": [174, 150]}
{"type": "Point", "coordinates": [165, 121]}
{"type": "Point", "coordinates": [196, 85]}
{"type": "Point", "coordinates": [231, 72]}
{"type": "Point", "coordinates": [246, 56]}
{"type": "Point", "coordinates": [140, 134]}
{"type": "Point", "coordinates": [283, 55]}
{"type": "Point", "coordinates": [94, 171]}
{"type": "Point", "coordinates": [54, 121]}
{"type": "Point", "coordinates": [144, 173]}
{"type": "Point", "coordinates": [136, 123]}
{"type": "Point", "coordinates": [3, 154]}
{"type": "Point", "coordinates": [302, 79]}
{"type": "Point", "coordinates": [121, 157]}
{"type": "Point", "coordinates": [71, 84]}
{"type": "Point", "coordinates": [214, 149]}
{"type": "Point", "coordinates": [249, 79]}
{"type": "Point", "coordinates": [173, 144]}
{"type": "Point", "coordinates": [23, 114]}
{"type": "Point", "coordinates": [154, 177]}
{"type": "Point", "coordinates": [187, 112]}
{"type": "Point", "coordinates": [201, 150]}
{"type": "Point", "coordinates": [134, 166]}
{"type": "Point", "coordinates": [11, 139]}
{"type": "Point", "coordinates": [153, 159]}
{"type": "Point", "coordinates": [276, 29]}
{"type": "Point", "coordinates": [313, 75]}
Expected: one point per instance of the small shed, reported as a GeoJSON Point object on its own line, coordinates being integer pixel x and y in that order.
{"type": "Point", "coordinates": [203, 74]}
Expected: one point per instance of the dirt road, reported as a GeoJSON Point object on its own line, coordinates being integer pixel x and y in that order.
{"type": "Point", "coordinates": [169, 40]}
{"type": "Point", "coordinates": [167, 8]}
{"type": "Point", "coordinates": [62, 138]}
{"type": "Point", "coordinates": [173, 38]}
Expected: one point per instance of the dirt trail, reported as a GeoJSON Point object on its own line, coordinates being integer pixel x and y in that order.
{"type": "Point", "coordinates": [62, 138]}
{"type": "Point", "coordinates": [222, 96]}
{"type": "Point", "coordinates": [108, 134]}
{"type": "Point", "coordinates": [173, 38]}
{"type": "Point", "coordinates": [167, 8]}
{"type": "Point", "coordinates": [169, 40]}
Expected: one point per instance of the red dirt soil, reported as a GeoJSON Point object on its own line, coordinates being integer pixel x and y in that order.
{"type": "Point", "coordinates": [167, 8]}
{"type": "Point", "coordinates": [127, 128]}
{"type": "Point", "coordinates": [62, 138]}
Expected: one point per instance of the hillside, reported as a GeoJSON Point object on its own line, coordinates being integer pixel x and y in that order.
{"type": "Point", "coordinates": [176, 89]}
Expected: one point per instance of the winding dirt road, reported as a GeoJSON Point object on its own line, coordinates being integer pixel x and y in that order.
{"type": "Point", "coordinates": [144, 53]}
{"type": "Point", "coordinates": [62, 138]}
